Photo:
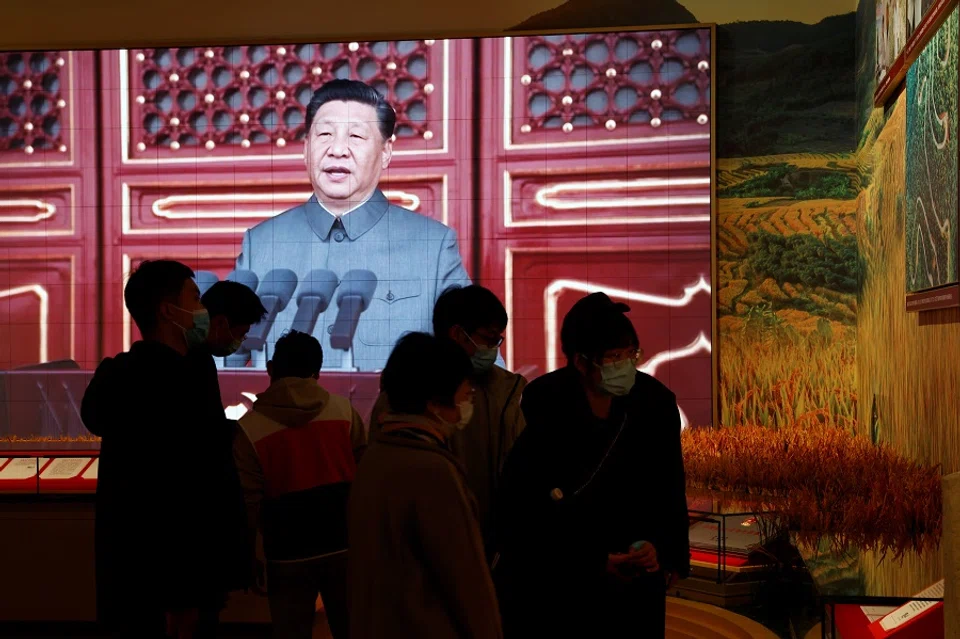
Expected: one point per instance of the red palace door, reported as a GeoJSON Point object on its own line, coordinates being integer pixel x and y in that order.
{"type": "Point", "coordinates": [48, 208]}
{"type": "Point", "coordinates": [596, 166]}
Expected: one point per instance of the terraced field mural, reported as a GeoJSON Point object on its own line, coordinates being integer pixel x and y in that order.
{"type": "Point", "coordinates": [787, 289]}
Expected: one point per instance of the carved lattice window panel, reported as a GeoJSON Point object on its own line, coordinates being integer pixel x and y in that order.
{"type": "Point", "coordinates": [33, 102]}
{"type": "Point", "coordinates": [649, 79]}
{"type": "Point", "coordinates": [252, 99]}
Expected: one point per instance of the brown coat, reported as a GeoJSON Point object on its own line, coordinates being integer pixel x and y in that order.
{"type": "Point", "coordinates": [417, 565]}
{"type": "Point", "coordinates": [483, 445]}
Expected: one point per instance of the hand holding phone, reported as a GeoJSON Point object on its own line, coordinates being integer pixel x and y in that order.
{"type": "Point", "coordinates": [643, 555]}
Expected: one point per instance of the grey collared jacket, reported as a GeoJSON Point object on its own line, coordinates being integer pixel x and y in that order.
{"type": "Point", "coordinates": [413, 257]}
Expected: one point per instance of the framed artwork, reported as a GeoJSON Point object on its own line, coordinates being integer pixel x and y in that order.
{"type": "Point", "coordinates": [932, 166]}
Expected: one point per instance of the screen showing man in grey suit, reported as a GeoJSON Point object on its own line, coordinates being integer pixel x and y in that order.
{"type": "Point", "coordinates": [375, 269]}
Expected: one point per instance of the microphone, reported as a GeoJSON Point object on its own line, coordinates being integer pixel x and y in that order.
{"type": "Point", "coordinates": [275, 292]}
{"type": "Point", "coordinates": [353, 298]}
{"type": "Point", "coordinates": [247, 278]}
{"type": "Point", "coordinates": [204, 280]}
{"type": "Point", "coordinates": [316, 293]}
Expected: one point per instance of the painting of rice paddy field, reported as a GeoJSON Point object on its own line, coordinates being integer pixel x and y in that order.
{"type": "Point", "coordinates": [787, 264]}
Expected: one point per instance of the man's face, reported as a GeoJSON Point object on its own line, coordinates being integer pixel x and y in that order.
{"type": "Point", "coordinates": [484, 337]}
{"type": "Point", "coordinates": [224, 337]}
{"type": "Point", "coordinates": [591, 370]}
{"type": "Point", "coordinates": [345, 154]}
{"type": "Point", "coordinates": [180, 311]}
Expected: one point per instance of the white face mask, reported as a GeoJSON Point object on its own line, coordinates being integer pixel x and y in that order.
{"type": "Point", "coordinates": [466, 414]}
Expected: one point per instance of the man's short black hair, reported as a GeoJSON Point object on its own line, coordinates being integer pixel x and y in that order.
{"type": "Point", "coordinates": [471, 307]}
{"type": "Point", "coordinates": [353, 91]}
{"type": "Point", "coordinates": [596, 324]}
{"type": "Point", "coordinates": [235, 301]}
{"type": "Point", "coordinates": [151, 284]}
{"type": "Point", "coordinates": [296, 354]}
{"type": "Point", "coordinates": [423, 368]}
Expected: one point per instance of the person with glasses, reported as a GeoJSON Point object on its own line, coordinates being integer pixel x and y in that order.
{"type": "Point", "coordinates": [474, 319]}
{"type": "Point", "coordinates": [593, 523]}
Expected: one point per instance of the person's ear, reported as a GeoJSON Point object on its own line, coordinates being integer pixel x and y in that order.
{"type": "Point", "coordinates": [581, 364]}
{"type": "Point", "coordinates": [316, 376]}
{"type": "Point", "coordinates": [386, 154]}
{"type": "Point", "coordinates": [166, 311]}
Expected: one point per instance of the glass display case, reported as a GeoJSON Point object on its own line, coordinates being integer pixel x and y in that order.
{"type": "Point", "coordinates": [727, 536]}
{"type": "Point", "coordinates": [45, 448]}
{"type": "Point", "coordinates": [728, 562]}
{"type": "Point", "coordinates": [865, 594]}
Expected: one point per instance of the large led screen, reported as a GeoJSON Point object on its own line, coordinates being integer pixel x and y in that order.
{"type": "Point", "coordinates": [542, 167]}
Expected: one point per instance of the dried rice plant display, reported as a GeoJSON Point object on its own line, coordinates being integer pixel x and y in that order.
{"type": "Point", "coordinates": [823, 483]}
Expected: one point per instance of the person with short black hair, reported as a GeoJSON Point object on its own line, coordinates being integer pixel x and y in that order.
{"type": "Point", "coordinates": [417, 563]}
{"type": "Point", "coordinates": [594, 517]}
{"type": "Point", "coordinates": [296, 355]}
{"type": "Point", "coordinates": [233, 308]}
{"type": "Point", "coordinates": [349, 225]}
{"type": "Point", "coordinates": [296, 456]}
{"type": "Point", "coordinates": [159, 556]}
{"type": "Point", "coordinates": [475, 320]}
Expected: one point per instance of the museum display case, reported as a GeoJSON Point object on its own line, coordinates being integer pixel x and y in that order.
{"type": "Point", "coordinates": [45, 449]}
{"type": "Point", "coordinates": [865, 594]}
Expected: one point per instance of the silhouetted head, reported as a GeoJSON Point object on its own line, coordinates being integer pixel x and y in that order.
{"type": "Point", "coordinates": [473, 317]}
{"type": "Point", "coordinates": [233, 309]}
{"type": "Point", "coordinates": [164, 302]}
{"type": "Point", "coordinates": [429, 376]}
{"type": "Point", "coordinates": [599, 340]}
{"type": "Point", "coordinates": [296, 354]}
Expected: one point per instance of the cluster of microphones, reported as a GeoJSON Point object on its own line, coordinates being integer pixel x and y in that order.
{"type": "Point", "coordinates": [312, 295]}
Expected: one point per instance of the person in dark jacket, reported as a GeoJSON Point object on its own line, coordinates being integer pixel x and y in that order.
{"type": "Point", "coordinates": [158, 558]}
{"type": "Point", "coordinates": [233, 309]}
{"type": "Point", "coordinates": [297, 458]}
{"type": "Point", "coordinates": [594, 524]}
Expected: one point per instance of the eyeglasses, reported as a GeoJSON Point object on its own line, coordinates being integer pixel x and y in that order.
{"type": "Point", "coordinates": [636, 355]}
{"type": "Point", "coordinates": [484, 341]}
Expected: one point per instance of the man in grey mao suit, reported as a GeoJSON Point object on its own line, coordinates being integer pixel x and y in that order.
{"type": "Point", "coordinates": [348, 224]}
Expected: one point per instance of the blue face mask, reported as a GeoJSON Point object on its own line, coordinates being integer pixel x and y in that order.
{"type": "Point", "coordinates": [483, 358]}
{"type": "Point", "coordinates": [618, 378]}
{"type": "Point", "coordinates": [197, 334]}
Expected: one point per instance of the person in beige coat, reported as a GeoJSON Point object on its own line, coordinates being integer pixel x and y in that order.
{"type": "Point", "coordinates": [474, 319]}
{"type": "Point", "coordinates": [416, 558]}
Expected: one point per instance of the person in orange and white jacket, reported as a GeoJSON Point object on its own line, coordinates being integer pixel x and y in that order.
{"type": "Point", "coordinates": [296, 456]}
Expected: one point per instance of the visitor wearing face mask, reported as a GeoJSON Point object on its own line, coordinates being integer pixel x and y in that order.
{"type": "Point", "coordinates": [474, 319]}
{"type": "Point", "coordinates": [417, 566]}
{"type": "Point", "coordinates": [594, 518]}
{"type": "Point", "coordinates": [232, 308]}
{"type": "Point", "coordinates": [158, 551]}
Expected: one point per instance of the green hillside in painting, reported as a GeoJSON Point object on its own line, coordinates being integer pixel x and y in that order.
{"type": "Point", "coordinates": [786, 87]}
